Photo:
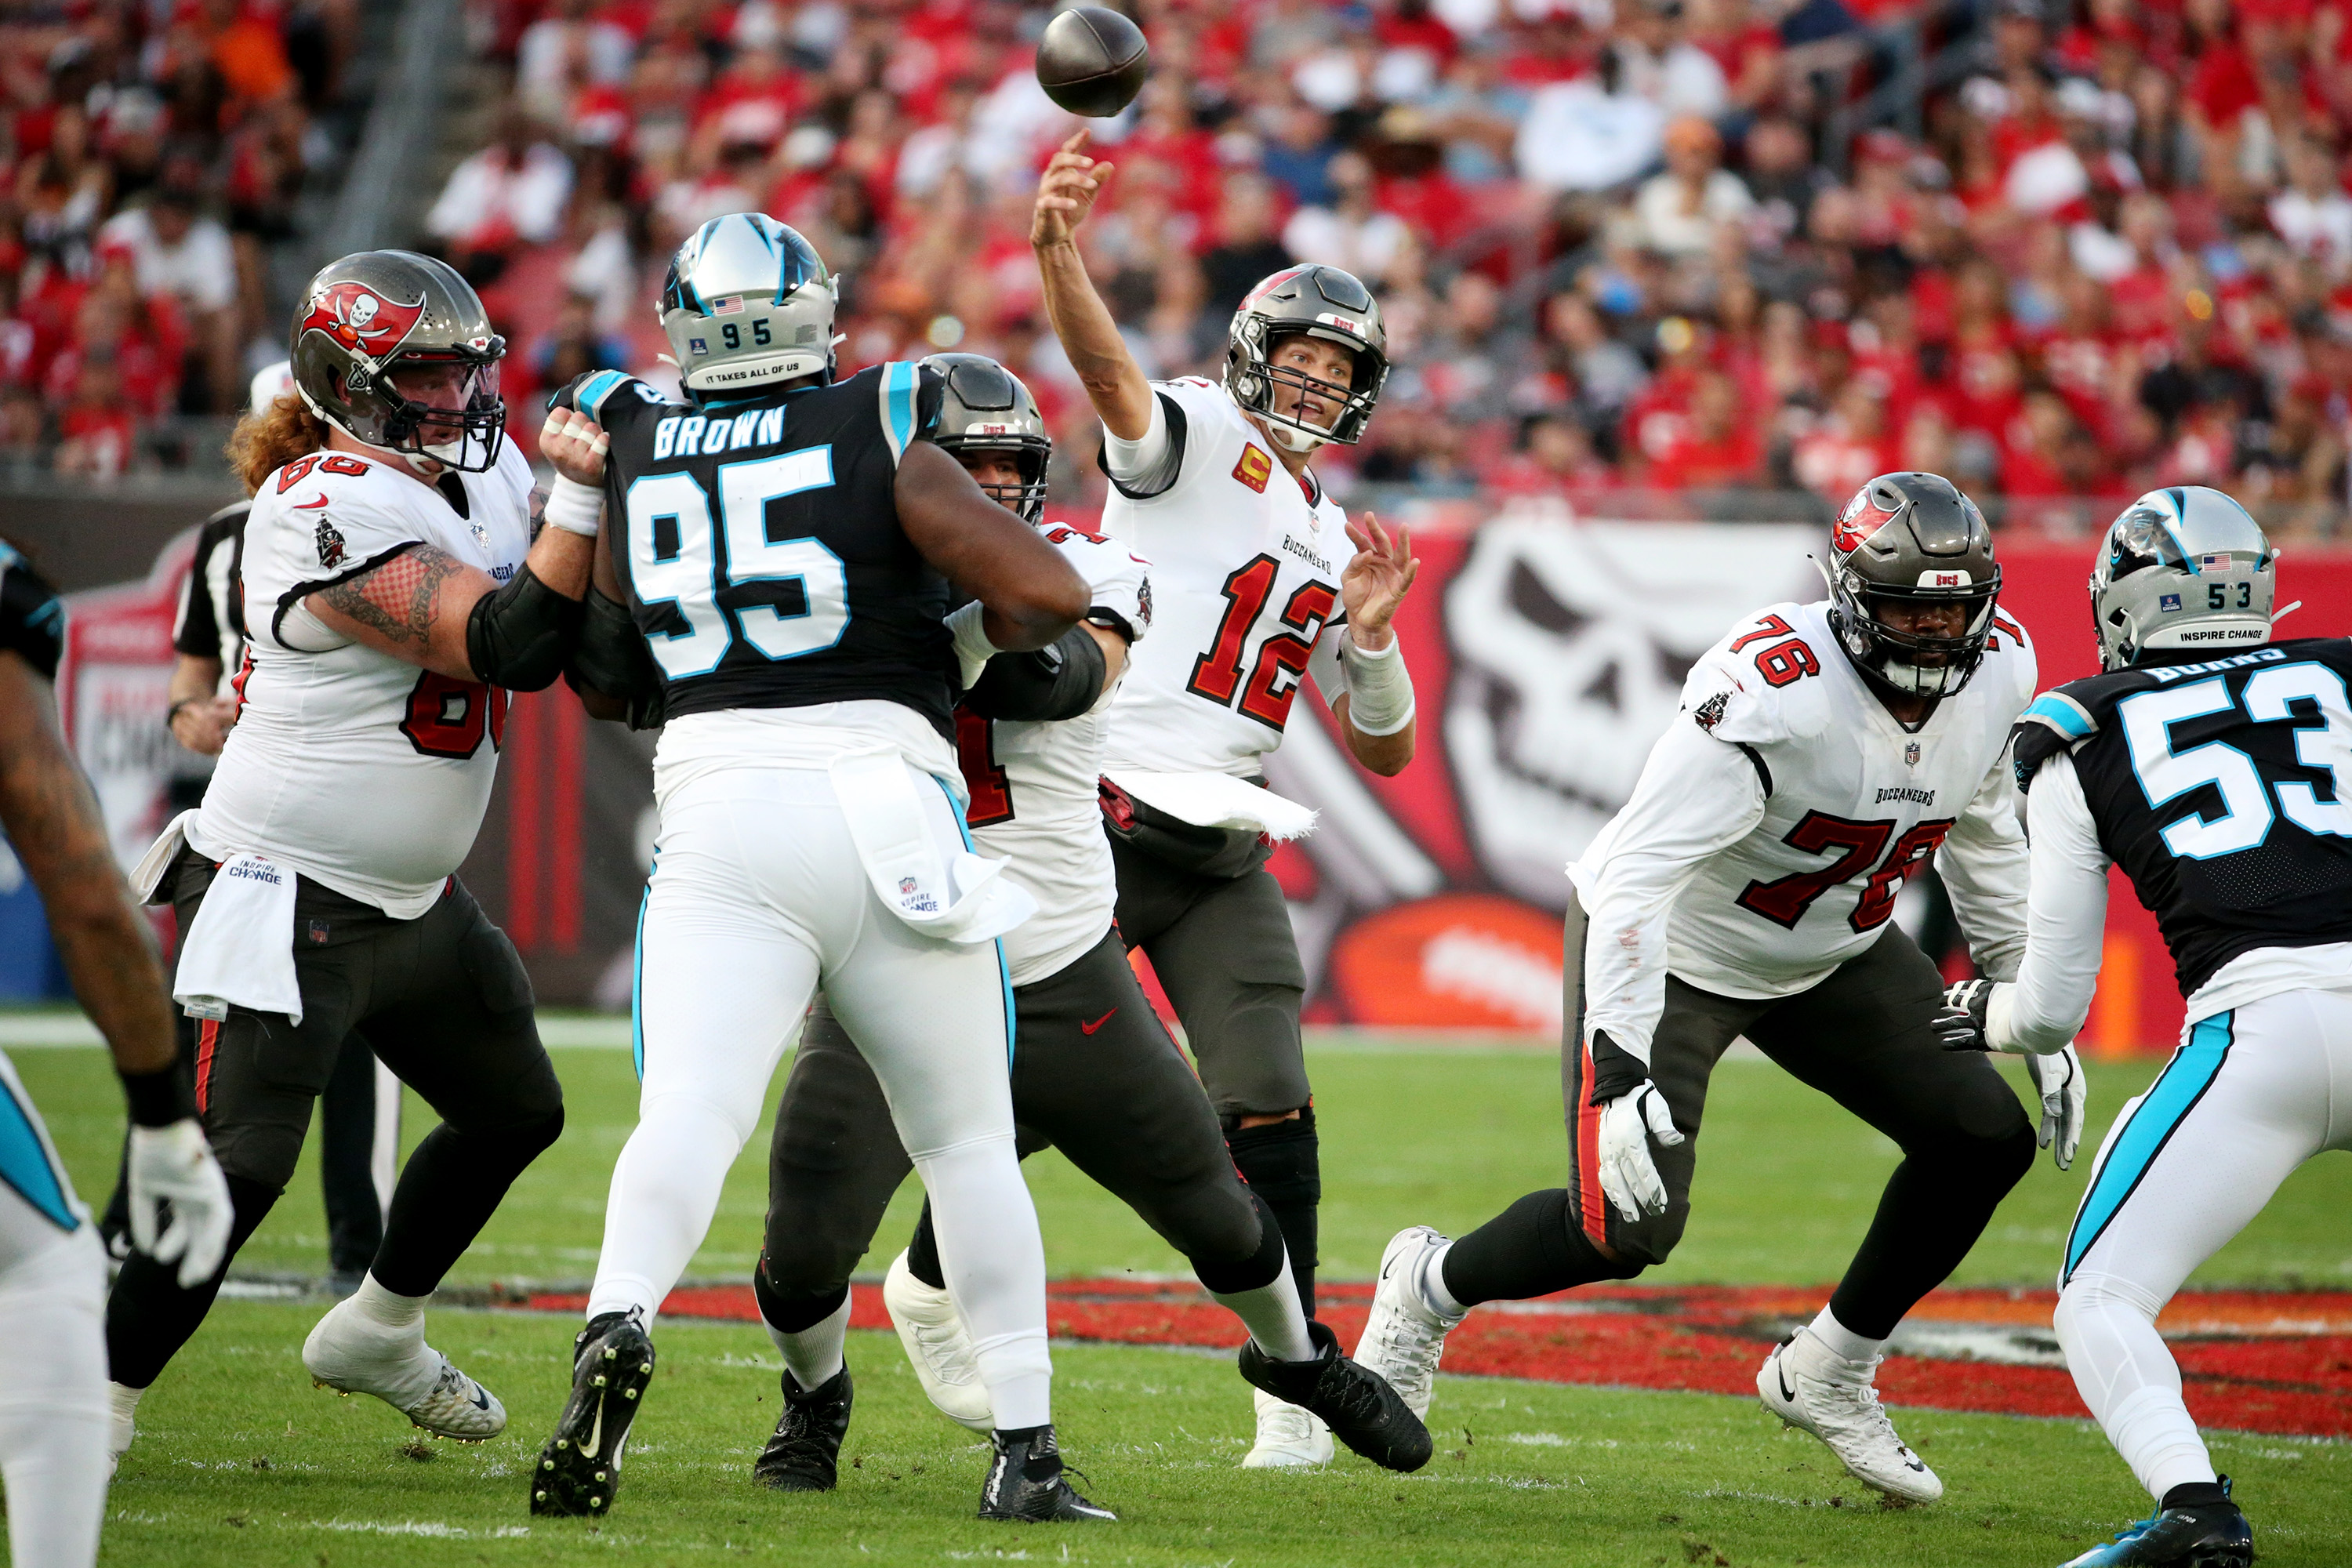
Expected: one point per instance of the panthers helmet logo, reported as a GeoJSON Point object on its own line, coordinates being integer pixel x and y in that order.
{"type": "Point", "coordinates": [363, 320]}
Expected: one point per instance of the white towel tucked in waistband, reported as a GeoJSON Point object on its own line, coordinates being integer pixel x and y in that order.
{"type": "Point", "coordinates": [951, 894]}
{"type": "Point", "coordinates": [148, 875]}
{"type": "Point", "coordinates": [1218, 800]}
{"type": "Point", "coordinates": [239, 949]}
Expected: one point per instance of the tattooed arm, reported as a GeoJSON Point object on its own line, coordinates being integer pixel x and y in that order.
{"type": "Point", "coordinates": [415, 606]}
{"type": "Point", "coordinates": [54, 825]}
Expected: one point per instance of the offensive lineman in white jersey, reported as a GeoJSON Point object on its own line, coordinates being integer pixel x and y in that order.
{"type": "Point", "coordinates": [1823, 751]}
{"type": "Point", "coordinates": [1261, 579]}
{"type": "Point", "coordinates": [1094, 1072]}
{"type": "Point", "coordinates": [391, 588]}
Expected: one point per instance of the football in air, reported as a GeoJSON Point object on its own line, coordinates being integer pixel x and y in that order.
{"type": "Point", "coordinates": [1092, 61]}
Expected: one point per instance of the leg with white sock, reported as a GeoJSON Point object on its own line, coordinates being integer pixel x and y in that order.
{"type": "Point", "coordinates": [54, 1412]}
{"type": "Point", "coordinates": [2235, 1112]}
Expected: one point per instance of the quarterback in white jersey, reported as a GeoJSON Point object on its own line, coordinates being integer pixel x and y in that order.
{"type": "Point", "coordinates": [391, 588]}
{"type": "Point", "coordinates": [1095, 1074]}
{"type": "Point", "coordinates": [1747, 888]}
{"type": "Point", "coordinates": [1261, 579]}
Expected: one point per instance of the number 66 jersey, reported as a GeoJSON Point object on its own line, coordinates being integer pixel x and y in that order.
{"type": "Point", "coordinates": [1777, 817]}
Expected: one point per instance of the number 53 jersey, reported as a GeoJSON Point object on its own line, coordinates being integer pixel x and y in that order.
{"type": "Point", "coordinates": [1777, 817]}
{"type": "Point", "coordinates": [759, 543]}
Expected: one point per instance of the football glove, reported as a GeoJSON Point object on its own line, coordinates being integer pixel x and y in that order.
{"type": "Point", "coordinates": [173, 1164]}
{"type": "Point", "coordinates": [1961, 1024]}
{"type": "Point", "coordinates": [1628, 1175]}
{"type": "Point", "coordinates": [2058, 1077]}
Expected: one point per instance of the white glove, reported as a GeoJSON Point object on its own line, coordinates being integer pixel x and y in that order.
{"type": "Point", "coordinates": [175, 1165]}
{"type": "Point", "coordinates": [1628, 1175]}
{"type": "Point", "coordinates": [2058, 1077]}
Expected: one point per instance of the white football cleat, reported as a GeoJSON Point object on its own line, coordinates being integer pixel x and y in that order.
{"type": "Point", "coordinates": [352, 1353]}
{"type": "Point", "coordinates": [1807, 1386]}
{"type": "Point", "coordinates": [937, 1346]}
{"type": "Point", "coordinates": [1288, 1438]}
{"type": "Point", "coordinates": [1404, 1336]}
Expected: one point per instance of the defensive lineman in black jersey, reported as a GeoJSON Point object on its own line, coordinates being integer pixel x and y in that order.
{"type": "Point", "coordinates": [782, 549]}
{"type": "Point", "coordinates": [2215, 768]}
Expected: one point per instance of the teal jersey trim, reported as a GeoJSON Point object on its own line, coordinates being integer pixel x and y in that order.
{"type": "Point", "coordinates": [1003, 969]}
{"type": "Point", "coordinates": [2153, 1120]}
{"type": "Point", "coordinates": [596, 389]}
{"type": "Point", "coordinates": [26, 1164]}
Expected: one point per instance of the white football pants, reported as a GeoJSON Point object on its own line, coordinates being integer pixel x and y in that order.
{"type": "Point", "coordinates": [2253, 1094]}
{"type": "Point", "coordinates": [53, 1404]}
{"type": "Point", "coordinates": [757, 897]}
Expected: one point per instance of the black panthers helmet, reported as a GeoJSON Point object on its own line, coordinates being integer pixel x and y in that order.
{"type": "Point", "coordinates": [1911, 536]}
{"type": "Point", "coordinates": [1322, 302]}
{"type": "Point", "coordinates": [985, 407]}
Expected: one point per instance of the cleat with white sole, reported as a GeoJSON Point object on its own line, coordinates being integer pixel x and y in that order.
{"type": "Point", "coordinates": [1288, 1438]}
{"type": "Point", "coordinates": [937, 1347]}
{"type": "Point", "coordinates": [1404, 1336]}
{"type": "Point", "coordinates": [1808, 1387]}
{"type": "Point", "coordinates": [352, 1353]}
{"type": "Point", "coordinates": [580, 1467]}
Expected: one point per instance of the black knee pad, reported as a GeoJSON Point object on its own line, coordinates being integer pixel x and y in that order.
{"type": "Point", "coordinates": [790, 1312]}
{"type": "Point", "coordinates": [1248, 1267]}
{"type": "Point", "coordinates": [1282, 1161]}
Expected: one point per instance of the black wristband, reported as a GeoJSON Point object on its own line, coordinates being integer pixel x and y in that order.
{"type": "Point", "coordinates": [160, 1099]}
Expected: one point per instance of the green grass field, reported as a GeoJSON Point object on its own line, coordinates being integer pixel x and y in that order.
{"type": "Point", "coordinates": [240, 1462]}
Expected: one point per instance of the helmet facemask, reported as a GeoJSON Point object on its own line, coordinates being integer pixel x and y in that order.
{"type": "Point", "coordinates": [1313, 301]}
{"type": "Point", "coordinates": [466, 438]}
{"type": "Point", "coordinates": [1026, 500]}
{"type": "Point", "coordinates": [1914, 663]}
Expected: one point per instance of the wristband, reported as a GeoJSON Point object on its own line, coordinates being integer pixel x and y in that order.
{"type": "Point", "coordinates": [573, 507]}
{"type": "Point", "coordinates": [160, 1099]}
{"type": "Point", "coordinates": [1380, 687]}
{"type": "Point", "coordinates": [973, 650]}
{"type": "Point", "coordinates": [171, 714]}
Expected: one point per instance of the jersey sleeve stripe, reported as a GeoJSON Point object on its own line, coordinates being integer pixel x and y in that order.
{"type": "Point", "coordinates": [596, 389]}
{"type": "Point", "coordinates": [2062, 713]}
{"type": "Point", "coordinates": [897, 406]}
{"type": "Point", "coordinates": [301, 591]}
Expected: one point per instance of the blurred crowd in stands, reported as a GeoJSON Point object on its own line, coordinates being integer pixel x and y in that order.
{"type": "Point", "coordinates": [156, 150]}
{"type": "Point", "coordinates": [1622, 245]}
{"type": "Point", "coordinates": [2060, 249]}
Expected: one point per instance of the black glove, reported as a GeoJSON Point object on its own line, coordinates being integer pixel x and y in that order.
{"type": "Point", "coordinates": [1961, 1024]}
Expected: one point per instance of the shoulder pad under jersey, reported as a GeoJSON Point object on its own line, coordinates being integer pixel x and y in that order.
{"type": "Point", "coordinates": [1759, 685]}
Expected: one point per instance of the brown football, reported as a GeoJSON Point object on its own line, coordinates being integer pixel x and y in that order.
{"type": "Point", "coordinates": [1092, 61]}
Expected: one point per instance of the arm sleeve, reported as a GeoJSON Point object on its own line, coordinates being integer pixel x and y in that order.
{"type": "Point", "coordinates": [1982, 862]}
{"type": "Point", "coordinates": [2065, 920]}
{"type": "Point", "coordinates": [1696, 796]}
{"type": "Point", "coordinates": [32, 618]}
{"type": "Point", "coordinates": [1151, 465]}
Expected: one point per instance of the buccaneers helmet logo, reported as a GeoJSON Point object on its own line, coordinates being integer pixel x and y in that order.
{"type": "Point", "coordinates": [362, 319]}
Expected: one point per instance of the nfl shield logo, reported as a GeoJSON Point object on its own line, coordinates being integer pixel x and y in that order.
{"type": "Point", "coordinates": [906, 885]}
{"type": "Point", "coordinates": [2168, 601]}
{"type": "Point", "coordinates": [1911, 756]}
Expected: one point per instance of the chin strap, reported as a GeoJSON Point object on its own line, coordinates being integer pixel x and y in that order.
{"type": "Point", "coordinates": [1291, 439]}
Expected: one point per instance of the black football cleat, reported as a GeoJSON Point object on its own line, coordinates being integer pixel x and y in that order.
{"type": "Point", "coordinates": [580, 1467]}
{"type": "Point", "coordinates": [2204, 1534]}
{"type": "Point", "coordinates": [1354, 1401]}
{"type": "Point", "coordinates": [1028, 1484]}
{"type": "Point", "coordinates": [804, 1455]}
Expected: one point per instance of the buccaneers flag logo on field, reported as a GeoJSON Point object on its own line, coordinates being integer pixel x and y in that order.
{"type": "Point", "coordinates": [362, 319]}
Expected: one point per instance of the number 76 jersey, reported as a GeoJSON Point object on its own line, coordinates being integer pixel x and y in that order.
{"type": "Point", "coordinates": [759, 539]}
{"type": "Point", "coordinates": [1852, 803]}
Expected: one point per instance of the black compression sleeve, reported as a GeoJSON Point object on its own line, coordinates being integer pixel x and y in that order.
{"type": "Point", "coordinates": [1061, 681]}
{"type": "Point", "coordinates": [611, 657]}
{"type": "Point", "coordinates": [1616, 1072]}
{"type": "Point", "coordinates": [517, 637]}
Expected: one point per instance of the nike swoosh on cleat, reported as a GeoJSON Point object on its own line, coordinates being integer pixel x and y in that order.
{"type": "Point", "coordinates": [481, 1397]}
{"type": "Point", "coordinates": [1098, 1023]}
{"type": "Point", "coordinates": [1782, 1378]}
{"type": "Point", "coordinates": [596, 1434]}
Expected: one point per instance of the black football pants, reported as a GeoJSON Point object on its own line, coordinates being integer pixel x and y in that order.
{"type": "Point", "coordinates": [1862, 1037]}
{"type": "Point", "coordinates": [442, 1000]}
{"type": "Point", "coordinates": [1094, 1074]}
{"type": "Point", "coordinates": [1226, 955]}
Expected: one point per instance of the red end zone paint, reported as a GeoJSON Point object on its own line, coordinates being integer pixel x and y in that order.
{"type": "Point", "coordinates": [2251, 1361]}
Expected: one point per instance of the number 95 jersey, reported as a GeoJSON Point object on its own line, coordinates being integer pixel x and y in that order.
{"type": "Point", "coordinates": [758, 538]}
